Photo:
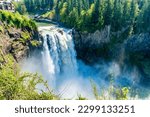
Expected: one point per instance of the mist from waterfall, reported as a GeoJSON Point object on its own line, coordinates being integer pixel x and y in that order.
{"type": "Point", "coordinates": [57, 63]}
{"type": "Point", "coordinates": [68, 76]}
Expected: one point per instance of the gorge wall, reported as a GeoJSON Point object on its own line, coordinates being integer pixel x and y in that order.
{"type": "Point", "coordinates": [17, 42]}
{"type": "Point", "coordinates": [138, 53]}
{"type": "Point", "coordinates": [89, 45]}
{"type": "Point", "coordinates": [109, 46]}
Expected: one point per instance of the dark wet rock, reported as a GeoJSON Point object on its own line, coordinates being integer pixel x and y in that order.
{"type": "Point", "coordinates": [138, 43]}
{"type": "Point", "coordinates": [93, 39]}
{"type": "Point", "coordinates": [14, 33]}
{"type": "Point", "coordinates": [10, 42]}
{"type": "Point", "coordinates": [138, 52]}
{"type": "Point", "coordinates": [60, 31]}
{"type": "Point", "coordinates": [91, 46]}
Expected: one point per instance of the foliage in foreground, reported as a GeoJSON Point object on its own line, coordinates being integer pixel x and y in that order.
{"type": "Point", "coordinates": [111, 92]}
{"type": "Point", "coordinates": [15, 85]}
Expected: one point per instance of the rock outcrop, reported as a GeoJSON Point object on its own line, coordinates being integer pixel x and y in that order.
{"type": "Point", "coordinates": [88, 44]}
{"type": "Point", "coordinates": [116, 46]}
{"type": "Point", "coordinates": [138, 52]}
{"type": "Point", "coordinates": [93, 39]}
{"type": "Point", "coordinates": [138, 43]}
{"type": "Point", "coordinates": [11, 42]}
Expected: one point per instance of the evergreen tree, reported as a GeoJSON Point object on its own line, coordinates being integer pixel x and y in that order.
{"type": "Point", "coordinates": [117, 15]}
{"type": "Point", "coordinates": [51, 3]}
{"type": "Point", "coordinates": [133, 15]}
{"type": "Point", "coordinates": [73, 18]}
{"type": "Point", "coordinates": [64, 12]}
{"type": "Point", "coordinates": [101, 14]}
{"type": "Point", "coordinates": [108, 12]}
{"type": "Point", "coordinates": [133, 11]}
{"type": "Point", "coordinates": [91, 15]}
{"type": "Point", "coordinates": [146, 17]}
{"type": "Point", "coordinates": [126, 13]}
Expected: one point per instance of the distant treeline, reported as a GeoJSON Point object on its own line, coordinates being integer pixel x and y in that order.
{"type": "Point", "coordinates": [90, 15]}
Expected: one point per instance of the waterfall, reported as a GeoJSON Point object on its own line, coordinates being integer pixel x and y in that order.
{"type": "Point", "coordinates": [59, 64]}
{"type": "Point", "coordinates": [68, 76]}
{"type": "Point", "coordinates": [58, 55]}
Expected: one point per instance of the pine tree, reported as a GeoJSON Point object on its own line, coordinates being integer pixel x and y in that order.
{"type": "Point", "coordinates": [73, 18]}
{"type": "Point", "coordinates": [133, 16]}
{"type": "Point", "coordinates": [126, 13]}
{"type": "Point", "coordinates": [146, 17]}
{"type": "Point", "coordinates": [108, 12]}
{"type": "Point", "coordinates": [92, 19]}
{"type": "Point", "coordinates": [117, 15]}
{"type": "Point", "coordinates": [101, 14]}
{"type": "Point", "coordinates": [64, 12]}
{"type": "Point", "coordinates": [134, 11]}
{"type": "Point", "coordinates": [51, 3]}
{"type": "Point", "coordinates": [91, 15]}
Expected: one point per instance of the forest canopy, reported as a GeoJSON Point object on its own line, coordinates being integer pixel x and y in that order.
{"type": "Point", "coordinates": [91, 15]}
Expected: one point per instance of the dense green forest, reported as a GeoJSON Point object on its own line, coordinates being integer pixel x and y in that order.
{"type": "Point", "coordinates": [90, 15]}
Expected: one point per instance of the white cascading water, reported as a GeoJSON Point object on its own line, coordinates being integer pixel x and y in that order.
{"type": "Point", "coordinates": [58, 56]}
{"type": "Point", "coordinates": [67, 77]}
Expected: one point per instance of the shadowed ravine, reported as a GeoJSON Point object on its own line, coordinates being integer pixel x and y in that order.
{"type": "Point", "coordinates": [69, 76]}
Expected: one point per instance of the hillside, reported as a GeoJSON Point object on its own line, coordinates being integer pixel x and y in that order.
{"type": "Point", "coordinates": [92, 15]}
{"type": "Point", "coordinates": [18, 38]}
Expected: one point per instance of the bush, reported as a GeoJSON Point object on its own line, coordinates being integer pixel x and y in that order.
{"type": "Point", "coordinates": [35, 43]}
{"type": "Point", "coordinates": [15, 85]}
{"type": "Point", "coordinates": [50, 15]}
{"type": "Point", "coordinates": [17, 20]}
{"type": "Point", "coordinates": [111, 92]}
{"type": "Point", "coordinates": [1, 29]}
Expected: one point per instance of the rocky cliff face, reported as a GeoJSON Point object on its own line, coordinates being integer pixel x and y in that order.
{"type": "Point", "coordinates": [100, 44]}
{"type": "Point", "coordinates": [88, 45]}
{"type": "Point", "coordinates": [116, 46]}
{"type": "Point", "coordinates": [93, 39]}
{"type": "Point", "coordinates": [138, 53]}
{"type": "Point", "coordinates": [138, 43]}
{"type": "Point", "coordinates": [12, 42]}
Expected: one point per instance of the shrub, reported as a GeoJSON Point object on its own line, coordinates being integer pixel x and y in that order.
{"type": "Point", "coordinates": [17, 20]}
{"type": "Point", "coordinates": [1, 29]}
{"type": "Point", "coordinates": [25, 37]}
{"type": "Point", "coordinates": [35, 43]}
{"type": "Point", "coordinates": [122, 94]}
{"type": "Point", "coordinates": [15, 85]}
{"type": "Point", "coordinates": [50, 15]}
{"type": "Point", "coordinates": [110, 93]}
